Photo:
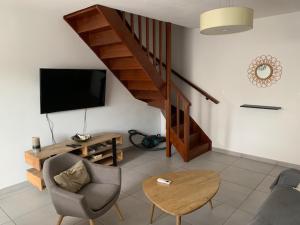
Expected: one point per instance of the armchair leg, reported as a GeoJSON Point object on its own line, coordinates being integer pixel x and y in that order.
{"type": "Point", "coordinates": [92, 222]}
{"type": "Point", "coordinates": [60, 219]}
{"type": "Point", "coordinates": [211, 205]}
{"type": "Point", "coordinates": [119, 212]}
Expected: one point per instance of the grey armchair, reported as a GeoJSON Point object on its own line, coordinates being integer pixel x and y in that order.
{"type": "Point", "coordinates": [94, 199]}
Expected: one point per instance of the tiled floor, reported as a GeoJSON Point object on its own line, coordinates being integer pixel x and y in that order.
{"type": "Point", "coordinates": [244, 187]}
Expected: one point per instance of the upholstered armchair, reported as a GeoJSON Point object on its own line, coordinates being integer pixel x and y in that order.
{"type": "Point", "coordinates": [94, 199]}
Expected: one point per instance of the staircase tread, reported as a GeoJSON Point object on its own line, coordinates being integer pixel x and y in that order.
{"type": "Point", "coordinates": [114, 51]}
{"type": "Point", "coordinates": [123, 63]}
{"type": "Point", "coordinates": [100, 38]}
{"type": "Point", "coordinates": [105, 28]}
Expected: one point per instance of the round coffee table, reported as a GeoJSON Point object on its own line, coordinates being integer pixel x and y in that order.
{"type": "Point", "coordinates": [189, 191]}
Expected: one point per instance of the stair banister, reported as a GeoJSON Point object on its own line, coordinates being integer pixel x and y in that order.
{"type": "Point", "coordinates": [159, 59]}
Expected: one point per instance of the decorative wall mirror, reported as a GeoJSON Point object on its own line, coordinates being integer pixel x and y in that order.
{"type": "Point", "coordinates": [264, 71]}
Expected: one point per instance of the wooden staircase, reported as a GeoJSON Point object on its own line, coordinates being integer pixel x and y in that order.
{"type": "Point", "coordinates": [145, 72]}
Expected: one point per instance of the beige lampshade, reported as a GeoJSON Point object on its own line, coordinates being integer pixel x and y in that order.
{"type": "Point", "coordinates": [226, 20]}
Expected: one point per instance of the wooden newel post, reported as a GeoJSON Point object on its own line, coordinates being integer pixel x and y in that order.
{"type": "Point", "coordinates": [168, 84]}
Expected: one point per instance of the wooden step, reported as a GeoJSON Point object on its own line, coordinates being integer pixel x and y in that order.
{"type": "Point", "coordinates": [101, 38]}
{"type": "Point", "coordinates": [123, 64]}
{"type": "Point", "coordinates": [89, 22]}
{"type": "Point", "coordinates": [146, 95]}
{"type": "Point", "coordinates": [133, 75]}
{"type": "Point", "coordinates": [114, 51]}
{"type": "Point", "coordinates": [141, 85]}
{"type": "Point", "coordinates": [198, 150]}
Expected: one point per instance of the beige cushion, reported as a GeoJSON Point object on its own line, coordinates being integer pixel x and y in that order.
{"type": "Point", "coordinates": [74, 178]}
{"type": "Point", "coordinates": [297, 188]}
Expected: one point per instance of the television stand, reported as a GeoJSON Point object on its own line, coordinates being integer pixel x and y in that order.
{"type": "Point", "coordinates": [101, 148]}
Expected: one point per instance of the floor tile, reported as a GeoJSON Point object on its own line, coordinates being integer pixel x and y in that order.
{"type": "Point", "coordinates": [219, 157]}
{"type": "Point", "coordinates": [277, 170]}
{"type": "Point", "coordinates": [175, 161]}
{"type": "Point", "coordinates": [242, 177]}
{"type": "Point", "coordinates": [140, 195]}
{"type": "Point", "coordinates": [155, 154]}
{"type": "Point", "coordinates": [265, 184]}
{"type": "Point", "coordinates": [253, 165]}
{"type": "Point", "coordinates": [3, 217]}
{"type": "Point", "coordinates": [169, 220]}
{"type": "Point", "coordinates": [33, 198]}
{"type": "Point", "coordinates": [45, 214]}
{"type": "Point", "coordinates": [254, 201]}
{"type": "Point", "coordinates": [155, 168]}
{"type": "Point", "coordinates": [132, 181]}
{"type": "Point", "coordinates": [232, 194]}
{"type": "Point", "coordinates": [86, 222]}
{"type": "Point", "coordinates": [9, 223]}
{"type": "Point", "coordinates": [205, 164]}
{"type": "Point", "coordinates": [206, 216]}
{"type": "Point", "coordinates": [6, 192]}
{"type": "Point", "coordinates": [137, 157]}
{"type": "Point", "coordinates": [133, 210]}
{"type": "Point", "coordinates": [239, 217]}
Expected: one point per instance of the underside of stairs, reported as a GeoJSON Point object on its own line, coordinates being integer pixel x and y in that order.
{"type": "Point", "coordinates": [111, 35]}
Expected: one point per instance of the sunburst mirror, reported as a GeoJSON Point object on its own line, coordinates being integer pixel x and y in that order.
{"type": "Point", "coordinates": [264, 71]}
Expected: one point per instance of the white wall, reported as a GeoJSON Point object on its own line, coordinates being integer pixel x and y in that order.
{"type": "Point", "coordinates": [219, 64]}
{"type": "Point", "coordinates": [37, 37]}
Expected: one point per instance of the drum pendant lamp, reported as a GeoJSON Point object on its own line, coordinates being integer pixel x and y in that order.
{"type": "Point", "coordinates": [226, 20]}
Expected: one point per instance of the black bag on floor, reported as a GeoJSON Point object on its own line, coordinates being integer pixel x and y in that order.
{"type": "Point", "coordinates": [149, 142]}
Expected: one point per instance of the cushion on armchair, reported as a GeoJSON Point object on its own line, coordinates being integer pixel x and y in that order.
{"type": "Point", "coordinates": [99, 195]}
{"type": "Point", "coordinates": [74, 178]}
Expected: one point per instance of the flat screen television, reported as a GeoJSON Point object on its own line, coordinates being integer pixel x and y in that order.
{"type": "Point", "coordinates": [69, 89]}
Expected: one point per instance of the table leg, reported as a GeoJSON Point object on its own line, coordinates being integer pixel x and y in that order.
{"type": "Point", "coordinates": [178, 220]}
{"type": "Point", "coordinates": [114, 151]}
{"type": "Point", "coordinates": [152, 213]}
{"type": "Point", "coordinates": [211, 205]}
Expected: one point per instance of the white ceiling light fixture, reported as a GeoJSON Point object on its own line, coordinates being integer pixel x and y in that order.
{"type": "Point", "coordinates": [226, 20]}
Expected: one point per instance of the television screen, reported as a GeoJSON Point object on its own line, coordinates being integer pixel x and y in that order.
{"type": "Point", "coordinates": [68, 89]}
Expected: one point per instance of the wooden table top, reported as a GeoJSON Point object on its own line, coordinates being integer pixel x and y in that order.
{"type": "Point", "coordinates": [62, 147]}
{"type": "Point", "coordinates": [189, 190]}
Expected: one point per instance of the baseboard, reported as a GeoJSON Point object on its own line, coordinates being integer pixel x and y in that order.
{"type": "Point", "coordinates": [257, 158]}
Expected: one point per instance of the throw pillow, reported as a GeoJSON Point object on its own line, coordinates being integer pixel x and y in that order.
{"type": "Point", "coordinates": [298, 187]}
{"type": "Point", "coordinates": [74, 178]}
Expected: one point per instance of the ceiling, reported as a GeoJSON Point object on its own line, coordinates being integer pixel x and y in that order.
{"type": "Point", "coordinates": [181, 12]}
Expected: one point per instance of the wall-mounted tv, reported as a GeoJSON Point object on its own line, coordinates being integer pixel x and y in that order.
{"type": "Point", "coordinates": [69, 89]}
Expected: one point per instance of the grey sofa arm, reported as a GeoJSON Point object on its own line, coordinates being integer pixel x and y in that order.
{"type": "Point", "coordinates": [68, 203]}
{"type": "Point", "coordinates": [289, 178]}
{"type": "Point", "coordinates": [104, 174]}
